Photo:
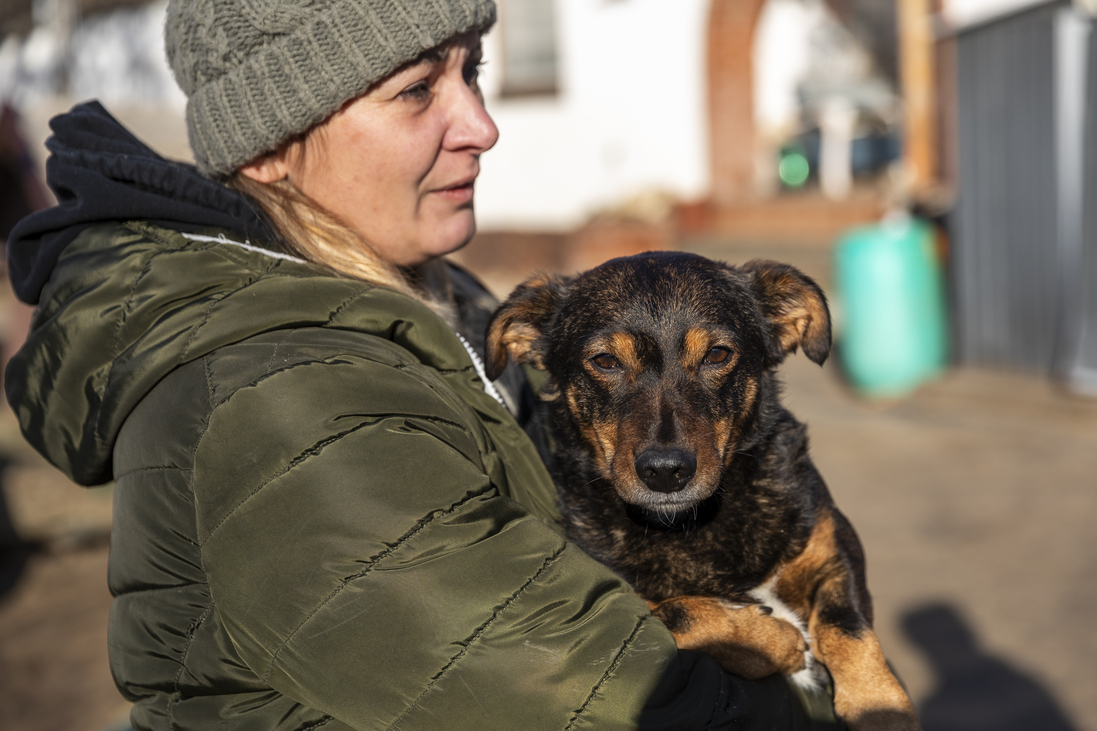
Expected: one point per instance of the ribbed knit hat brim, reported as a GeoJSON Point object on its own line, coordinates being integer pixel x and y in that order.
{"type": "Point", "coordinates": [245, 103]}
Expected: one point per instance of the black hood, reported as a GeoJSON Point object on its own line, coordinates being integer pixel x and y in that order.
{"type": "Point", "coordinates": [100, 172]}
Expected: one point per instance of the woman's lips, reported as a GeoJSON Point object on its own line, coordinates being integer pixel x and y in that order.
{"type": "Point", "coordinates": [458, 193]}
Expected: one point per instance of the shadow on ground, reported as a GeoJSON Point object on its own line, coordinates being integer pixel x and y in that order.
{"type": "Point", "coordinates": [975, 691]}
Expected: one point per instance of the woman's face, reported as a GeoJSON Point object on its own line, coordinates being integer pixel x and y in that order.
{"type": "Point", "coordinates": [398, 163]}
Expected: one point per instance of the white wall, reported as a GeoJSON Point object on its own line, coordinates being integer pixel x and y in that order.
{"type": "Point", "coordinates": [959, 14]}
{"type": "Point", "coordinates": [630, 117]}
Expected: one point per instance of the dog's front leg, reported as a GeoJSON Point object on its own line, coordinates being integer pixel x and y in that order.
{"type": "Point", "coordinates": [746, 639]}
{"type": "Point", "coordinates": [826, 582]}
{"type": "Point", "coordinates": [866, 694]}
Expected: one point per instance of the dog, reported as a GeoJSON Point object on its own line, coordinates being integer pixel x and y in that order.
{"type": "Point", "coordinates": [678, 467]}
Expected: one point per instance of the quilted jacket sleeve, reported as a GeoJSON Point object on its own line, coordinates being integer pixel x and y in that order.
{"type": "Point", "coordinates": [366, 563]}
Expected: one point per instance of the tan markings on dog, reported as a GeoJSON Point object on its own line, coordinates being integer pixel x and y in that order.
{"type": "Point", "coordinates": [606, 434]}
{"type": "Point", "coordinates": [750, 395]}
{"type": "Point", "coordinates": [601, 436]}
{"type": "Point", "coordinates": [627, 435]}
{"type": "Point", "coordinates": [746, 640]}
{"type": "Point", "coordinates": [794, 307]}
{"type": "Point", "coordinates": [706, 479]}
{"type": "Point", "coordinates": [792, 315]}
{"type": "Point", "coordinates": [516, 325]}
{"type": "Point", "coordinates": [866, 694]}
{"type": "Point", "coordinates": [622, 346]}
{"type": "Point", "coordinates": [729, 429]}
{"type": "Point", "coordinates": [800, 576]}
{"type": "Point", "coordinates": [519, 339]}
{"type": "Point", "coordinates": [744, 411]}
{"type": "Point", "coordinates": [722, 436]}
{"type": "Point", "coordinates": [795, 321]}
{"type": "Point", "coordinates": [800, 311]}
{"type": "Point", "coordinates": [695, 345]}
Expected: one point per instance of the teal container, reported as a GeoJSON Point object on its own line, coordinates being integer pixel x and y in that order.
{"type": "Point", "coordinates": [894, 333]}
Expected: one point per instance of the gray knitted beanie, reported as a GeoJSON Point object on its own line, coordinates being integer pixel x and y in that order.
{"type": "Point", "coordinates": [257, 72]}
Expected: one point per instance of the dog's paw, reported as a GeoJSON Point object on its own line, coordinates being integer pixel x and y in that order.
{"type": "Point", "coordinates": [762, 644]}
{"type": "Point", "coordinates": [746, 639]}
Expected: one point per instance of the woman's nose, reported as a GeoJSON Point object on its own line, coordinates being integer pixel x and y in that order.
{"type": "Point", "coordinates": [470, 125]}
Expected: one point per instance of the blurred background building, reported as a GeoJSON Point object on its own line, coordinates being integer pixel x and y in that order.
{"type": "Point", "coordinates": [802, 130]}
{"type": "Point", "coordinates": [627, 127]}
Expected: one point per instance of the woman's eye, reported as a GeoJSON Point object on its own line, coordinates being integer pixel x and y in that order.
{"type": "Point", "coordinates": [606, 362]}
{"type": "Point", "coordinates": [717, 356]}
{"type": "Point", "coordinates": [472, 72]}
{"type": "Point", "coordinates": [418, 90]}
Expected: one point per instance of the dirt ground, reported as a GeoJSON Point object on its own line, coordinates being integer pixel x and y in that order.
{"type": "Point", "coordinates": [975, 498]}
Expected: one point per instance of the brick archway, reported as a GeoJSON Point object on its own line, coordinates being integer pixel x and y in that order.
{"type": "Point", "coordinates": [730, 40]}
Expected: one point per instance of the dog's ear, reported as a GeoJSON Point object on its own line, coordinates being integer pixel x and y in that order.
{"type": "Point", "coordinates": [795, 308]}
{"type": "Point", "coordinates": [515, 328]}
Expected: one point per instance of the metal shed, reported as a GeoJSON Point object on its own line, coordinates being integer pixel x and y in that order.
{"type": "Point", "coordinates": [1024, 253]}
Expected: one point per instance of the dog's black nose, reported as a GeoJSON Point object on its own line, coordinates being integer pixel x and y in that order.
{"type": "Point", "coordinates": [666, 470]}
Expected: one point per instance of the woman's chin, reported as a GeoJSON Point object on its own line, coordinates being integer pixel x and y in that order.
{"type": "Point", "coordinates": [453, 235]}
{"type": "Point", "coordinates": [428, 240]}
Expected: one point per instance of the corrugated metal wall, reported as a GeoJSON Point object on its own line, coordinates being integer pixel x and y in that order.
{"type": "Point", "coordinates": [1004, 253]}
{"type": "Point", "coordinates": [1024, 259]}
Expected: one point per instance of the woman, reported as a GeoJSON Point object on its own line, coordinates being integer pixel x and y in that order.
{"type": "Point", "coordinates": [324, 516]}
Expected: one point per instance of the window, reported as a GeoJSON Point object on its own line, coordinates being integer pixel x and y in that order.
{"type": "Point", "coordinates": [528, 35]}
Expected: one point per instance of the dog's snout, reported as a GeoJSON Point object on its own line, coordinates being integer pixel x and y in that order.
{"type": "Point", "coordinates": [666, 470]}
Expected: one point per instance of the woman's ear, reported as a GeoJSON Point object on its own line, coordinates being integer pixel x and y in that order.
{"type": "Point", "coordinates": [268, 168]}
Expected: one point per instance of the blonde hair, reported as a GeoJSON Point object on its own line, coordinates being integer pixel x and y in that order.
{"type": "Point", "coordinates": [309, 231]}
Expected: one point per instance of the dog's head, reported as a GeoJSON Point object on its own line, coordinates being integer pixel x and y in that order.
{"type": "Point", "coordinates": [658, 361]}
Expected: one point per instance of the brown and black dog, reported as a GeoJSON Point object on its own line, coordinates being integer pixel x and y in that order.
{"type": "Point", "coordinates": [678, 467]}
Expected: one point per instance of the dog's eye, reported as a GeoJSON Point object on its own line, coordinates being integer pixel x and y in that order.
{"type": "Point", "coordinates": [717, 355]}
{"type": "Point", "coordinates": [606, 362]}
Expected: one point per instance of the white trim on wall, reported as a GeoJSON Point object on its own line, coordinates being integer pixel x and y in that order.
{"type": "Point", "coordinates": [962, 14]}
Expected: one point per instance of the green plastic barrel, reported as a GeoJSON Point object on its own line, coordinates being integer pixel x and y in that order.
{"type": "Point", "coordinates": [893, 323]}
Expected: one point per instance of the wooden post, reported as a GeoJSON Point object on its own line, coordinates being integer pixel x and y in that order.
{"type": "Point", "coordinates": [731, 97]}
{"type": "Point", "coordinates": [917, 51]}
